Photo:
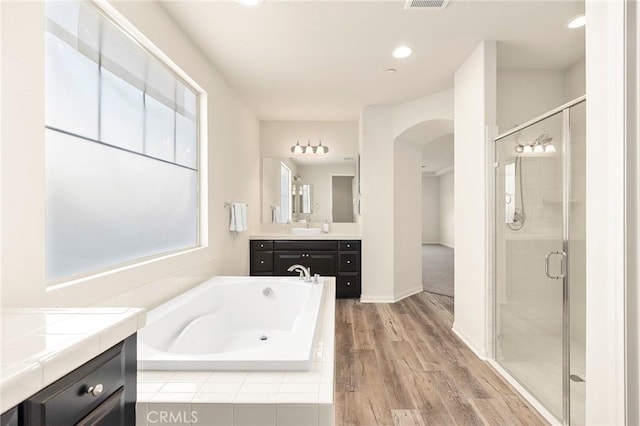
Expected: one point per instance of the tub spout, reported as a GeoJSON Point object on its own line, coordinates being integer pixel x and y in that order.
{"type": "Point", "coordinates": [304, 272]}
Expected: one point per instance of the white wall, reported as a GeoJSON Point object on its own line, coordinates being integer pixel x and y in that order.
{"type": "Point", "coordinates": [407, 180]}
{"type": "Point", "coordinates": [475, 110]}
{"type": "Point", "coordinates": [435, 107]}
{"type": "Point", "coordinates": [233, 133]}
{"type": "Point", "coordinates": [575, 80]}
{"type": "Point", "coordinates": [381, 128]}
{"type": "Point", "coordinates": [430, 210]}
{"type": "Point", "coordinates": [605, 390]}
{"type": "Point", "coordinates": [447, 216]}
{"type": "Point", "coordinates": [277, 137]}
{"type": "Point", "coordinates": [523, 95]}
{"type": "Point", "coordinates": [376, 161]}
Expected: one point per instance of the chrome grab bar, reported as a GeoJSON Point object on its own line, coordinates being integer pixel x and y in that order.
{"type": "Point", "coordinates": [546, 264]}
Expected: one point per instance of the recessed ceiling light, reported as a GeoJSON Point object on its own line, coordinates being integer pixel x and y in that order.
{"type": "Point", "coordinates": [250, 3]}
{"type": "Point", "coordinates": [577, 21]}
{"type": "Point", "coordinates": [401, 52]}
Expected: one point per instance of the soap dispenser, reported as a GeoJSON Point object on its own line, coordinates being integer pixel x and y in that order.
{"type": "Point", "coordinates": [325, 227]}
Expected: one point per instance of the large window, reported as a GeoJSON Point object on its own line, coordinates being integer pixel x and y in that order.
{"type": "Point", "coordinates": [121, 147]}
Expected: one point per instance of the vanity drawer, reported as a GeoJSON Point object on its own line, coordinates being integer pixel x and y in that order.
{"type": "Point", "coordinates": [67, 401]}
{"type": "Point", "coordinates": [348, 262]}
{"type": "Point", "coordinates": [261, 245]}
{"type": "Point", "coordinates": [305, 245]}
{"type": "Point", "coordinates": [349, 245]}
{"type": "Point", "coordinates": [348, 286]}
{"type": "Point", "coordinates": [262, 261]}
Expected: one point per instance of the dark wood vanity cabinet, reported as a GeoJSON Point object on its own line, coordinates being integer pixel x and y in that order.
{"type": "Point", "coordinates": [329, 258]}
{"type": "Point", "coordinates": [100, 392]}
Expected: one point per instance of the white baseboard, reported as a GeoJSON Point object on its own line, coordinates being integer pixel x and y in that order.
{"type": "Point", "coordinates": [391, 299]}
{"type": "Point", "coordinates": [467, 340]}
{"type": "Point", "coordinates": [407, 293]}
{"type": "Point", "coordinates": [437, 242]}
{"type": "Point", "coordinates": [525, 394]}
{"type": "Point", "coordinates": [376, 299]}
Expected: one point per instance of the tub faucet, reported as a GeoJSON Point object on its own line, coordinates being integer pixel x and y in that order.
{"type": "Point", "coordinates": [304, 272]}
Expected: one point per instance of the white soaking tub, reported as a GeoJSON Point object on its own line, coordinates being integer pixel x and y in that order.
{"type": "Point", "coordinates": [234, 323]}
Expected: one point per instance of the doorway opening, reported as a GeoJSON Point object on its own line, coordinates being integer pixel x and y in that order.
{"type": "Point", "coordinates": [342, 209]}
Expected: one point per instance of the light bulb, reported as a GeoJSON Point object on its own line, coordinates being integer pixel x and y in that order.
{"type": "Point", "coordinates": [538, 149]}
{"type": "Point", "coordinates": [309, 149]}
{"type": "Point", "coordinates": [297, 149]}
{"type": "Point", "coordinates": [550, 148]}
{"type": "Point", "coordinates": [527, 149]}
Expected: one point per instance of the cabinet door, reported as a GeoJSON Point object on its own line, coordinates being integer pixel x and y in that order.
{"type": "Point", "coordinates": [261, 261]}
{"type": "Point", "coordinates": [282, 260]}
{"type": "Point", "coordinates": [323, 263]}
{"type": "Point", "coordinates": [109, 413]}
{"type": "Point", "coordinates": [348, 286]}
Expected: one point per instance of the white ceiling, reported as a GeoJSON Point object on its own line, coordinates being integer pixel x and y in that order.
{"type": "Point", "coordinates": [324, 60]}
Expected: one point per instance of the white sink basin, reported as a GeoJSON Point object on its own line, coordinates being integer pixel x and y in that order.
{"type": "Point", "coordinates": [305, 231]}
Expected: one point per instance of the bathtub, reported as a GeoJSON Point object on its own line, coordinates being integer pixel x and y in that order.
{"type": "Point", "coordinates": [234, 323]}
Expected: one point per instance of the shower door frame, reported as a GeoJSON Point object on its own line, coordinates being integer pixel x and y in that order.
{"type": "Point", "coordinates": [565, 109]}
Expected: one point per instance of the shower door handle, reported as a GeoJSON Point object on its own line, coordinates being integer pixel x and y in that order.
{"type": "Point", "coordinates": [546, 264]}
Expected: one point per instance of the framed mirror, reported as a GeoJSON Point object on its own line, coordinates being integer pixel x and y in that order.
{"type": "Point", "coordinates": [299, 189]}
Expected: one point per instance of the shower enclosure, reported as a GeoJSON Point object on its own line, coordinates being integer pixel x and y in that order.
{"type": "Point", "coordinates": [540, 258]}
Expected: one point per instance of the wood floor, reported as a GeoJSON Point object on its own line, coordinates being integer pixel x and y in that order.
{"type": "Point", "coordinates": [400, 364]}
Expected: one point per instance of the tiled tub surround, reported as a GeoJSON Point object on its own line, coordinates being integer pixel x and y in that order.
{"type": "Point", "coordinates": [243, 398]}
{"type": "Point", "coordinates": [41, 345]}
{"type": "Point", "coordinates": [221, 324]}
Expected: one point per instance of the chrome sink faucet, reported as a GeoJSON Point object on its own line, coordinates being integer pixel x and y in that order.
{"type": "Point", "coordinates": [305, 273]}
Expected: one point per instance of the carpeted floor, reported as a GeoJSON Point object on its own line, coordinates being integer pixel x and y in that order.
{"type": "Point", "coordinates": [437, 269]}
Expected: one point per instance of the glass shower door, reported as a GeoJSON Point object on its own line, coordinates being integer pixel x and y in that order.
{"type": "Point", "coordinates": [530, 259]}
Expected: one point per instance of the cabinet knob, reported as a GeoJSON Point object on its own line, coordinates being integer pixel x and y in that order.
{"type": "Point", "coordinates": [262, 261]}
{"type": "Point", "coordinates": [348, 261]}
{"type": "Point", "coordinates": [348, 282]}
{"type": "Point", "coordinates": [95, 390]}
{"type": "Point", "coordinates": [348, 245]}
{"type": "Point", "coordinates": [261, 245]}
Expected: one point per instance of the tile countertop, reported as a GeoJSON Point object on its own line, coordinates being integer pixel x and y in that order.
{"type": "Point", "coordinates": [289, 236]}
{"type": "Point", "coordinates": [41, 345]}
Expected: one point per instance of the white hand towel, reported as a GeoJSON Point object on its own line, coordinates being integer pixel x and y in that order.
{"type": "Point", "coordinates": [275, 214]}
{"type": "Point", "coordinates": [232, 225]}
{"type": "Point", "coordinates": [242, 226]}
{"type": "Point", "coordinates": [238, 217]}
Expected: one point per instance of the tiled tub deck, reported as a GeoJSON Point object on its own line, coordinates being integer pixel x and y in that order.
{"type": "Point", "coordinates": [246, 398]}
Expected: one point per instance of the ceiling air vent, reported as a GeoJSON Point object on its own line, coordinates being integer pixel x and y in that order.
{"type": "Point", "coordinates": [426, 4]}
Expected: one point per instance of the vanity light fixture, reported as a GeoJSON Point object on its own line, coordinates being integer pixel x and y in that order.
{"type": "Point", "coordinates": [309, 149]}
{"type": "Point", "coordinates": [541, 145]}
